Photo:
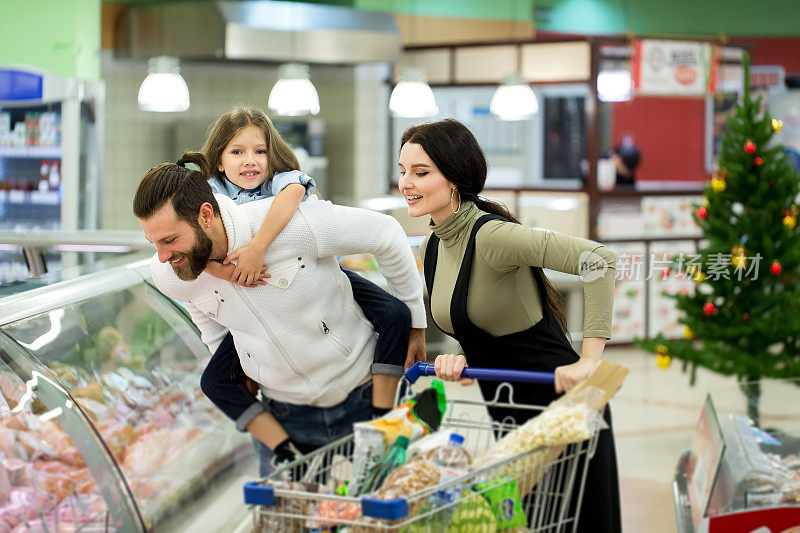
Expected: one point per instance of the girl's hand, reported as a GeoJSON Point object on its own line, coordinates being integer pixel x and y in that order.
{"type": "Point", "coordinates": [568, 376]}
{"type": "Point", "coordinates": [250, 269]}
{"type": "Point", "coordinates": [449, 366]}
{"type": "Point", "coordinates": [226, 272]}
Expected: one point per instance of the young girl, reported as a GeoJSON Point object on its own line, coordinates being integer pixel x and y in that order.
{"type": "Point", "coordinates": [254, 162]}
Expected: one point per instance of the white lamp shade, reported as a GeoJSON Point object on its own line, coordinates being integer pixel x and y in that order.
{"type": "Point", "coordinates": [514, 100]}
{"type": "Point", "coordinates": [294, 95]}
{"type": "Point", "coordinates": [412, 97]}
{"type": "Point", "coordinates": [614, 86]}
{"type": "Point", "coordinates": [164, 90]}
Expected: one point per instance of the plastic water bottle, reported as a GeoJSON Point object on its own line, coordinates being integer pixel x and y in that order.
{"type": "Point", "coordinates": [453, 462]}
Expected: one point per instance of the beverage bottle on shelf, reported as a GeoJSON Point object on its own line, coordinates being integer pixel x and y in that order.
{"type": "Point", "coordinates": [55, 175]}
{"type": "Point", "coordinates": [395, 457]}
{"type": "Point", "coordinates": [453, 461]}
{"type": "Point", "coordinates": [44, 176]}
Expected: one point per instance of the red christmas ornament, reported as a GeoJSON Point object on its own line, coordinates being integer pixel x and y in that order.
{"type": "Point", "coordinates": [702, 212]}
{"type": "Point", "coordinates": [750, 147]}
{"type": "Point", "coordinates": [758, 160]}
{"type": "Point", "coordinates": [708, 308]}
{"type": "Point", "coordinates": [776, 268]}
{"type": "Point", "coordinates": [665, 273]}
{"type": "Point", "coordinates": [746, 317]}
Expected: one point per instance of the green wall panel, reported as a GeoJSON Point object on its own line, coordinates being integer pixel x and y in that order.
{"type": "Point", "coordinates": [60, 36]}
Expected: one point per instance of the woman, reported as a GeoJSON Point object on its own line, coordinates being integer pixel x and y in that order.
{"type": "Point", "coordinates": [488, 291]}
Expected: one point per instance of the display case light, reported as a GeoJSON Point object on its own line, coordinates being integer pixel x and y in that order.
{"type": "Point", "coordinates": [614, 86]}
{"type": "Point", "coordinates": [164, 90]}
{"type": "Point", "coordinates": [412, 97]}
{"type": "Point", "coordinates": [293, 95]}
{"type": "Point", "coordinates": [514, 100]}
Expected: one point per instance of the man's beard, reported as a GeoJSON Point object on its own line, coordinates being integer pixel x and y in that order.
{"type": "Point", "coordinates": [196, 258]}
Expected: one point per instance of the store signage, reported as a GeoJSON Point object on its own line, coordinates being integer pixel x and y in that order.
{"type": "Point", "coordinates": [703, 464]}
{"type": "Point", "coordinates": [674, 68]}
{"type": "Point", "coordinates": [19, 85]}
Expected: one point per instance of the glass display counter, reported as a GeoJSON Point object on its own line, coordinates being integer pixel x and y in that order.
{"type": "Point", "coordinates": [738, 478]}
{"type": "Point", "coordinates": [103, 426]}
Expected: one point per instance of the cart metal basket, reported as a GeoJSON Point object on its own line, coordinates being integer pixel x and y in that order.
{"type": "Point", "coordinates": [548, 480]}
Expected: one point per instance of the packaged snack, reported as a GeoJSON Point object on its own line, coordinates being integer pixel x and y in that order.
{"type": "Point", "coordinates": [561, 423]}
{"type": "Point", "coordinates": [419, 416]}
{"type": "Point", "coordinates": [331, 514]}
{"type": "Point", "coordinates": [406, 480]}
{"type": "Point", "coordinates": [473, 514]}
{"type": "Point", "coordinates": [504, 499]}
{"type": "Point", "coordinates": [426, 444]}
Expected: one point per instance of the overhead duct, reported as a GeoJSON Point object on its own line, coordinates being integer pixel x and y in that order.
{"type": "Point", "coordinates": [260, 30]}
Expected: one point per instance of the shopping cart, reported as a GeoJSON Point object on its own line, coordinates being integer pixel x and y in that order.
{"type": "Point", "coordinates": [301, 495]}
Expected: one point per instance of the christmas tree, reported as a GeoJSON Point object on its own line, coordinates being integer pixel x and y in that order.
{"type": "Point", "coordinates": [741, 320]}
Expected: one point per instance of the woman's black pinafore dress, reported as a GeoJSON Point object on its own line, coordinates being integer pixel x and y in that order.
{"type": "Point", "coordinates": [542, 347]}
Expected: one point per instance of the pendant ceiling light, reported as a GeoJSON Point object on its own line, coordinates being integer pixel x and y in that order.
{"type": "Point", "coordinates": [294, 95]}
{"type": "Point", "coordinates": [412, 97]}
{"type": "Point", "coordinates": [614, 86]}
{"type": "Point", "coordinates": [164, 89]}
{"type": "Point", "coordinates": [514, 100]}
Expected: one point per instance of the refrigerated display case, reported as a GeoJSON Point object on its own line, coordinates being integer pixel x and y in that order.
{"type": "Point", "coordinates": [51, 148]}
{"type": "Point", "coordinates": [103, 426]}
{"type": "Point", "coordinates": [738, 478]}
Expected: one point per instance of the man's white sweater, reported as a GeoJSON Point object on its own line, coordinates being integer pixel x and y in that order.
{"type": "Point", "coordinates": [302, 337]}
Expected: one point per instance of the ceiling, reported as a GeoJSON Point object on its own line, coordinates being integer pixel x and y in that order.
{"type": "Point", "coordinates": [602, 17]}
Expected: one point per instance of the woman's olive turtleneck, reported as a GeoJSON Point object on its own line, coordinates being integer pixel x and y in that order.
{"type": "Point", "coordinates": [452, 228]}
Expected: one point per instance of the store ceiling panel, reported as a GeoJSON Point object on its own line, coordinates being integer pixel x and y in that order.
{"type": "Point", "coordinates": [257, 30]}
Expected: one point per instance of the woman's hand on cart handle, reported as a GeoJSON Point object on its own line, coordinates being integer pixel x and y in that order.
{"type": "Point", "coordinates": [449, 367]}
{"type": "Point", "coordinates": [568, 376]}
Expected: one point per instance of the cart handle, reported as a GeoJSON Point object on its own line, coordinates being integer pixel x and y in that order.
{"type": "Point", "coordinates": [491, 374]}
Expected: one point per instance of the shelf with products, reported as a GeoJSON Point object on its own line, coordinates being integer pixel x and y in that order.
{"type": "Point", "coordinates": [738, 478]}
{"type": "Point", "coordinates": [126, 364]}
{"type": "Point", "coordinates": [51, 139]}
{"type": "Point", "coordinates": [31, 152]}
{"type": "Point", "coordinates": [647, 232]}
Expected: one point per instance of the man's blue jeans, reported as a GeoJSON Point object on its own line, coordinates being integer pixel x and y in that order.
{"type": "Point", "coordinates": [313, 427]}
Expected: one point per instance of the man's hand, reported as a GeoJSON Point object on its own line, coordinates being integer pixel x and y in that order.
{"type": "Point", "coordinates": [250, 268]}
{"type": "Point", "coordinates": [251, 386]}
{"type": "Point", "coordinates": [416, 348]}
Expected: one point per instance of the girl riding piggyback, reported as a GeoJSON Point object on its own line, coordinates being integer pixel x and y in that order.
{"type": "Point", "coordinates": [250, 161]}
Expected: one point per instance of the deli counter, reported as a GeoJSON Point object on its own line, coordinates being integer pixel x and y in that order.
{"type": "Point", "coordinates": [103, 426]}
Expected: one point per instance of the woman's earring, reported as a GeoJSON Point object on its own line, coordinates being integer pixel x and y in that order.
{"type": "Point", "coordinates": [456, 210]}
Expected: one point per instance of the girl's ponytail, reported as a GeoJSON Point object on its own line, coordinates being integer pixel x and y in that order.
{"type": "Point", "coordinates": [197, 159]}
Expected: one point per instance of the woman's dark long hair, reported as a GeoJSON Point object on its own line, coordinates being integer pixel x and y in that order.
{"type": "Point", "coordinates": [458, 156]}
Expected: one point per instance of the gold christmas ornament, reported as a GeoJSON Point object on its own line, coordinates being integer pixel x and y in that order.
{"type": "Point", "coordinates": [663, 361]}
{"type": "Point", "coordinates": [776, 125]}
{"type": "Point", "coordinates": [738, 250]}
{"type": "Point", "coordinates": [699, 277]}
{"type": "Point", "coordinates": [739, 261]}
{"type": "Point", "coordinates": [718, 185]}
{"type": "Point", "coordinates": [687, 332]}
{"type": "Point", "coordinates": [789, 221]}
